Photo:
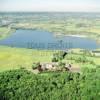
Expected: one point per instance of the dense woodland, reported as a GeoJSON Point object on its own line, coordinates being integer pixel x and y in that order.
{"type": "Point", "coordinates": [23, 85]}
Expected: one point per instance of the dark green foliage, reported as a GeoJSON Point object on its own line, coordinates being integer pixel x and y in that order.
{"type": "Point", "coordinates": [87, 53]}
{"type": "Point", "coordinates": [82, 59]}
{"type": "Point", "coordinates": [23, 85]}
{"type": "Point", "coordinates": [54, 59]}
{"type": "Point", "coordinates": [35, 65]}
{"type": "Point", "coordinates": [59, 56]}
{"type": "Point", "coordinates": [62, 64]}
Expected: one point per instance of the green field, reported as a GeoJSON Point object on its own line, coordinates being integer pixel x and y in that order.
{"type": "Point", "coordinates": [12, 58]}
{"type": "Point", "coordinates": [57, 23]}
{"type": "Point", "coordinates": [5, 31]}
{"type": "Point", "coordinates": [83, 27]}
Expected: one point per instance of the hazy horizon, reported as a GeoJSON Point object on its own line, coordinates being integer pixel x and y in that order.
{"type": "Point", "coordinates": [49, 6]}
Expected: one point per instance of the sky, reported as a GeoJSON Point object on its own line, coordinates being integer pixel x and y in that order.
{"type": "Point", "coordinates": [50, 5]}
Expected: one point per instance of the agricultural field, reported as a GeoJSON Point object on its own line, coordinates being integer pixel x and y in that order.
{"type": "Point", "coordinates": [58, 23]}
{"type": "Point", "coordinates": [67, 27]}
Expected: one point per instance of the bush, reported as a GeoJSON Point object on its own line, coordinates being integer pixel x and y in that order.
{"type": "Point", "coordinates": [35, 65]}
{"type": "Point", "coordinates": [54, 59]}
{"type": "Point", "coordinates": [61, 64]}
{"type": "Point", "coordinates": [82, 59]}
{"type": "Point", "coordinates": [24, 85]}
{"type": "Point", "coordinates": [58, 56]}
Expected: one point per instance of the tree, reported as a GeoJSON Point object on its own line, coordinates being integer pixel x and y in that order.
{"type": "Point", "coordinates": [35, 65]}
{"type": "Point", "coordinates": [61, 64]}
{"type": "Point", "coordinates": [58, 56]}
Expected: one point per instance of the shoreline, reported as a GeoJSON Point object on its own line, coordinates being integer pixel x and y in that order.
{"type": "Point", "coordinates": [81, 36]}
{"type": "Point", "coordinates": [55, 34]}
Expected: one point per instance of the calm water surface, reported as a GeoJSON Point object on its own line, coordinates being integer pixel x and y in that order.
{"type": "Point", "coordinates": [37, 39]}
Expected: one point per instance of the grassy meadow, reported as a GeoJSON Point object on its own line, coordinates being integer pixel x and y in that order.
{"type": "Point", "coordinates": [5, 31]}
{"type": "Point", "coordinates": [13, 58]}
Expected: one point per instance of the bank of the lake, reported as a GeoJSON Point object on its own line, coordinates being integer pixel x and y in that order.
{"type": "Point", "coordinates": [5, 32]}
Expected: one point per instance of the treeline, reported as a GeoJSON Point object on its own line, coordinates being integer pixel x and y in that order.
{"type": "Point", "coordinates": [23, 85]}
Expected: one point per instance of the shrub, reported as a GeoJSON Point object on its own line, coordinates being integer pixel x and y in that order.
{"type": "Point", "coordinates": [61, 64]}
{"type": "Point", "coordinates": [35, 65]}
{"type": "Point", "coordinates": [54, 59]}
{"type": "Point", "coordinates": [82, 59]}
{"type": "Point", "coordinates": [24, 85]}
{"type": "Point", "coordinates": [58, 56]}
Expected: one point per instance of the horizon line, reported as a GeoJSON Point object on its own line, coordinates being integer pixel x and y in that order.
{"type": "Point", "coordinates": [51, 11]}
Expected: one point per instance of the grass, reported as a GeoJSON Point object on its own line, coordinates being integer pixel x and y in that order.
{"type": "Point", "coordinates": [5, 31]}
{"type": "Point", "coordinates": [96, 60]}
{"type": "Point", "coordinates": [13, 58]}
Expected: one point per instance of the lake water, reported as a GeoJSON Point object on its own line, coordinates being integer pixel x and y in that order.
{"type": "Point", "coordinates": [38, 39]}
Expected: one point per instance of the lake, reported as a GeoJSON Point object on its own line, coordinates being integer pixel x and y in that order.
{"type": "Point", "coordinates": [38, 39]}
